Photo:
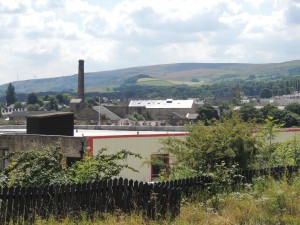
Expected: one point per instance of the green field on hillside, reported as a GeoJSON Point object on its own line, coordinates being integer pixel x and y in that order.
{"type": "Point", "coordinates": [177, 72]}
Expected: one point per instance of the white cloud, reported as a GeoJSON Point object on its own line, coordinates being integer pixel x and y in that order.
{"type": "Point", "coordinates": [46, 38]}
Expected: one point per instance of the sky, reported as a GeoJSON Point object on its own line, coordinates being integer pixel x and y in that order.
{"type": "Point", "coordinates": [46, 38]}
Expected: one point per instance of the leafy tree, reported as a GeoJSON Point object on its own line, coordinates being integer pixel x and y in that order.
{"type": "Point", "coordinates": [63, 98]}
{"type": "Point", "coordinates": [290, 119]}
{"type": "Point", "coordinates": [272, 153]}
{"type": "Point", "coordinates": [293, 107]}
{"type": "Point", "coordinates": [46, 98]}
{"type": "Point", "coordinates": [18, 105]}
{"type": "Point", "coordinates": [94, 100]}
{"type": "Point", "coordinates": [32, 98]}
{"type": "Point", "coordinates": [230, 141]}
{"type": "Point", "coordinates": [235, 101]}
{"type": "Point", "coordinates": [53, 103]}
{"type": "Point", "coordinates": [10, 95]}
{"type": "Point", "coordinates": [266, 93]}
{"type": "Point", "coordinates": [269, 110]}
{"type": "Point", "coordinates": [35, 107]}
{"type": "Point", "coordinates": [249, 112]}
{"type": "Point", "coordinates": [207, 113]}
{"type": "Point", "coordinates": [270, 128]}
{"type": "Point", "coordinates": [101, 166]}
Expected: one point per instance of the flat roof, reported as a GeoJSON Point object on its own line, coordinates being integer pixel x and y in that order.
{"type": "Point", "coordinates": [45, 115]}
{"type": "Point", "coordinates": [92, 133]}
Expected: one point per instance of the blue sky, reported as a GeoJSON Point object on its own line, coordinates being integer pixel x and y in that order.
{"type": "Point", "coordinates": [46, 38]}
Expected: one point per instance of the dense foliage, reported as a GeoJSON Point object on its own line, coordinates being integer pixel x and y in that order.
{"type": "Point", "coordinates": [288, 117]}
{"type": "Point", "coordinates": [34, 168]}
{"type": "Point", "coordinates": [207, 113]}
{"type": "Point", "coordinates": [230, 141]}
{"type": "Point", "coordinates": [264, 88]}
{"type": "Point", "coordinates": [10, 95]}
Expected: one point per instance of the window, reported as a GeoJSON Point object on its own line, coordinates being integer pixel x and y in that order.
{"type": "Point", "coordinates": [72, 160]}
{"type": "Point", "coordinates": [160, 163]}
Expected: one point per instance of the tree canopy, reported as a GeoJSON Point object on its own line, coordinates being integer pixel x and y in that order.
{"type": "Point", "coordinates": [10, 95]}
{"type": "Point", "coordinates": [230, 141]}
{"type": "Point", "coordinates": [206, 113]}
{"type": "Point", "coordinates": [32, 98]}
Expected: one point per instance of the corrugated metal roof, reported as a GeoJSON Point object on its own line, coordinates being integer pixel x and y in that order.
{"type": "Point", "coordinates": [162, 104]}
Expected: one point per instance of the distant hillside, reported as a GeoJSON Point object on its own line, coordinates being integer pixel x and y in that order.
{"type": "Point", "coordinates": [168, 74]}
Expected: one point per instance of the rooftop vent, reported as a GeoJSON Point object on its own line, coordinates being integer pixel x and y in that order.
{"type": "Point", "coordinates": [169, 100]}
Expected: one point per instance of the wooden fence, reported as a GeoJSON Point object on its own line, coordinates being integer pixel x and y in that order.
{"type": "Point", "coordinates": [275, 172]}
{"type": "Point", "coordinates": [25, 203]}
{"type": "Point", "coordinates": [155, 200]}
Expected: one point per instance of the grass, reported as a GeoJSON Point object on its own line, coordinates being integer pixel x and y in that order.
{"type": "Point", "coordinates": [155, 83]}
{"type": "Point", "coordinates": [108, 88]}
{"type": "Point", "coordinates": [189, 83]}
{"type": "Point", "coordinates": [266, 202]}
{"type": "Point", "coordinates": [158, 82]}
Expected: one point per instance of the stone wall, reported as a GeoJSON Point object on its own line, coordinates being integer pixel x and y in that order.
{"type": "Point", "coordinates": [25, 142]}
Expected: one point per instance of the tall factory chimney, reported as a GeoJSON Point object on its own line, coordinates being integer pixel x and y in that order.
{"type": "Point", "coordinates": [81, 79]}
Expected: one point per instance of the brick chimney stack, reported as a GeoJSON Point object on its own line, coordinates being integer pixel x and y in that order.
{"type": "Point", "coordinates": [81, 79]}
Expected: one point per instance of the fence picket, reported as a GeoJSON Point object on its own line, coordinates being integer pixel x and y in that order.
{"type": "Point", "coordinates": [155, 200]}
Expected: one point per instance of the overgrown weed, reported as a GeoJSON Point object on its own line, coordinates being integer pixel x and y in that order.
{"type": "Point", "coordinates": [267, 201]}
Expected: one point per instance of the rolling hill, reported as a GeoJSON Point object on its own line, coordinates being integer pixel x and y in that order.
{"type": "Point", "coordinates": [167, 74]}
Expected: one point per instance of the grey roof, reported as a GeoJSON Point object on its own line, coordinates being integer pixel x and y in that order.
{"type": "Point", "coordinates": [162, 104]}
{"type": "Point", "coordinates": [178, 115]}
{"type": "Point", "coordinates": [109, 114]}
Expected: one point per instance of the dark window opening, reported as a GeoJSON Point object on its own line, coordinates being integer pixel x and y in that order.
{"type": "Point", "coordinates": [72, 160]}
{"type": "Point", "coordinates": [160, 163]}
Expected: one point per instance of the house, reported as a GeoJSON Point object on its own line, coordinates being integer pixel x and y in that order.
{"type": "Point", "coordinates": [163, 110]}
{"type": "Point", "coordinates": [10, 109]}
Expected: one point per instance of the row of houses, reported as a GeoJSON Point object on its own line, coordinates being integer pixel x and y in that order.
{"type": "Point", "coordinates": [161, 112]}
